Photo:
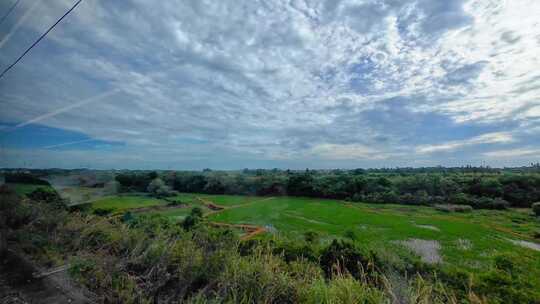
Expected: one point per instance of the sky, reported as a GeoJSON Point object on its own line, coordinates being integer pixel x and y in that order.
{"type": "Point", "coordinates": [294, 84]}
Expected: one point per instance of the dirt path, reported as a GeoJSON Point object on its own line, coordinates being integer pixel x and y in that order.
{"type": "Point", "coordinates": [222, 208]}
{"type": "Point", "coordinates": [19, 285]}
{"type": "Point", "coordinates": [251, 230]}
{"type": "Point", "coordinates": [210, 205]}
{"type": "Point", "coordinates": [253, 233]}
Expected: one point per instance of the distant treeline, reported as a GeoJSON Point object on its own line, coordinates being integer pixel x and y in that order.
{"type": "Point", "coordinates": [482, 188]}
{"type": "Point", "coordinates": [24, 178]}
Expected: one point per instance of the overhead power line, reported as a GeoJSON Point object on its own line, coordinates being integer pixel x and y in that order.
{"type": "Point", "coordinates": [9, 11]}
{"type": "Point", "coordinates": [39, 39]}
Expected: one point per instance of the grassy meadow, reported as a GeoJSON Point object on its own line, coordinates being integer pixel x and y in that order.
{"type": "Point", "coordinates": [385, 224]}
{"type": "Point", "coordinates": [125, 202]}
{"type": "Point", "coordinates": [467, 240]}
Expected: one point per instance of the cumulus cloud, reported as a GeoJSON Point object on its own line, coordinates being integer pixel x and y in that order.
{"type": "Point", "coordinates": [489, 138]}
{"type": "Point", "coordinates": [279, 81]}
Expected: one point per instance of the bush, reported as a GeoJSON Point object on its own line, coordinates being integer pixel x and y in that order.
{"type": "Point", "coordinates": [536, 208]}
{"type": "Point", "coordinates": [461, 199]}
{"type": "Point", "coordinates": [294, 251]}
{"type": "Point", "coordinates": [197, 212]}
{"type": "Point", "coordinates": [311, 236]}
{"type": "Point", "coordinates": [343, 257]}
{"type": "Point", "coordinates": [80, 207]}
{"type": "Point", "coordinates": [507, 282]}
{"type": "Point", "coordinates": [350, 234]}
{"type": "Point", "coordinates": [454, 208]}
{"type": "Point", "coordinates": [50, 197]}
{"type": "Point", "coordinates": [171, 202]}
{"type": "Point", "coordinates": [190, 221]}
{"type": "Point", "coordinates": [103, 211]}
{"type": "Point", "coordinates": [490, 203]}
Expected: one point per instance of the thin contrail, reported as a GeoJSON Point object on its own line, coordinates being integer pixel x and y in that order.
{"type": "Point", "coordinates": [67, 108]}
{"type": "Point", "coordinates": [69, 143]}
{"type": "Point", "coordinates": [19, 23]}
{"type": "Point", "coordinates": [10, 10]}
{"type": "Point", "coordinates": [78, 104]}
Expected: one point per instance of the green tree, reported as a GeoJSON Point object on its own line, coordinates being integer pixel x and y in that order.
{"type": "Point", "coordinates": [536, 208]}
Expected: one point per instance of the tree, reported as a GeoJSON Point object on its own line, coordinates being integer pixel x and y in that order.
{"type": "Point", "coordinates": [152, 175]}
{"type": "Point", "coordinates": [536, 208]}
{"type": "Point", "coordinates": [193, 219]}
{"type": "Point", "coordinates": [158, 188]}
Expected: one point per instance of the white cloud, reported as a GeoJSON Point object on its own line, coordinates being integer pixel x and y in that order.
{"type": "Point", "coordinates": [345, 152]}
{"type": "Point", "coordinates": [489, 138]}
{"type": "Point", "coordinates": [512, 153]}
{"type": "Point", "coordinates": [281, 80]}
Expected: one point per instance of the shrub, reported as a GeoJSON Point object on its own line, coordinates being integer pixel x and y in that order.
{"type": "Point", "coordinates": [47, 196]}
{"type": "Point", "coordinates": [500, 204]}
{"type": "Point", "coordinates": [342, 257]}
{"type": "Point", "coordinates": [536, 208]}
{"type": "Point", "coordinates": [350, 234]}
{"type": "Point", "coordinates": [103, 211]}
{"type": "Point", "coordinates": [461, 199]}
{"type": "Point", "coordinates": [127, 217]}
{"type": "Point", "coordinates": [490, 203]}
{"type": "Point", "coordinates": [174, 202]}
{"type": "Point", "coordinates": [190, 221]}
{"type": "Point", "coordinates": [80, 207]}
{"type": "Point", "coordinates": [197, 212]}
{"type": "Point", "coordinates": [311, 236]}
{"type": "Point", "coordinates": [454, 208]}
{"type": "Point", "coordinates": [507, 282]}
{"type": "Point", "coordinates": [294, 251]}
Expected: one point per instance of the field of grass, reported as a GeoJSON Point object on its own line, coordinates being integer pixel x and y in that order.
{"type": "Point", "coordinates": [128, 201]}
{"type": "Point", "coordinates": [24, 189]}
{"type": "Point", "coordinates": [124, 202]}
{"type": "Point", "coordinates": [467, 240]}
{"type": "Point", "coordinates": [229, 200]}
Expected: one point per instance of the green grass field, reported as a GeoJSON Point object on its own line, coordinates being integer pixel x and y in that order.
{"type": "Point", "coordinates": [177, 214]}
{"type": "Point", "coordinates": [125, 202]}
{"type": "Point", "coordinates": [468, 240]}
{"type": "Point", "coordinates": [485, 233]}
{"type": "Point", "coordinates": [229, 200]}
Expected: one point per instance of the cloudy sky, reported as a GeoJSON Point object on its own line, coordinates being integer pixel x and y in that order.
{"type": "Point", "coordinates": [190, 84]}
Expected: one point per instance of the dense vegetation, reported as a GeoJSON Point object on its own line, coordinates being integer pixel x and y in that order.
{"type": "Point", "coordinates": [480, 188]}
{"type": "Point", "coordinates": [149, 259]}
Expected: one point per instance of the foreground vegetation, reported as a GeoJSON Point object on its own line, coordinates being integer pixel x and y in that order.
{"type": "Point", "coordinates": [149, 258]}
